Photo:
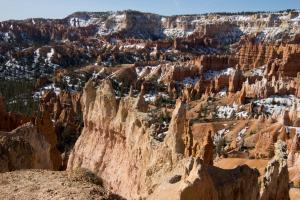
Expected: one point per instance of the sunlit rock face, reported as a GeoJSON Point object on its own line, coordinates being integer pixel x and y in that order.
{"type": "Point", "coordinates": [114, 128]}
{"type": "Point", "coordinates": [117, 143]}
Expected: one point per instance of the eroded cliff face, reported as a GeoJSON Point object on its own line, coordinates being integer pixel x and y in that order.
{"type": "Point", "coordinates": [294, 162]}
{"type": "Point", "coordinates": [281, 58]}
{"type": "Point", "coordinates": [46, 128]}
{"type": "Point", "coordinates": [118, 144]}
{"type": "Point", "coordinates": [276, 179]}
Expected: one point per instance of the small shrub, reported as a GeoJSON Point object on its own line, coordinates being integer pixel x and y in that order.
{"type": "Point", "coordinates": [220, 144]}
{"type": "Point", "coordinates": [85, 175]}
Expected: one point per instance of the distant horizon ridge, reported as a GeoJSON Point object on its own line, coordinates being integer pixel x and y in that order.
{"type": "Point", "coordinates": [154, 13]}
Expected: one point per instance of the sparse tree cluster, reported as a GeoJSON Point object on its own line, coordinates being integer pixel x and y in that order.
{"type": "Point", "coordinates": [18, 95]}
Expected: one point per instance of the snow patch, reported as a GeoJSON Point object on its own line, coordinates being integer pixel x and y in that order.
{"type": "Point", "coordinates": [133, 46]}
{"type": "Point", "coordinates": [259, 71]}
{"type": "Point", "coordinates": [219, 135]}
{"type": "Point", "coordinates": [241, 134]}
{"type": "Point", "coordinates": [188, 81]}
{"type": "Point", "coordinates": [242, 114]}
{"type": "Point", "coordinates": [210, 74]}
{"type": "Point", "coordinates": [152, 96]}
{"type": "Point", "coordinates": [41, 92]}
{"type": "Point", "coordinates": [37, 55]}
{"type": "Point", "coordinates": [177, 33]}
{"type": "Point", "coordinates": [223, 92]}
{"type": "Point", "coordinates": [277, 104]}
{"type": "Point", "coordinates": [226, 112]}
{"type": "Point", "coordinates": [49, 56]}
{"type": "Point", "coordinates": [230, 111]}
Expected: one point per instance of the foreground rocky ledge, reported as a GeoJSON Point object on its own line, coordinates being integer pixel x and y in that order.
{"type": "Point", "coordinates": [42, 184]}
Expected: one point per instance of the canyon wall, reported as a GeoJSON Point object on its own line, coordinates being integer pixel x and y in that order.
{"type": "Point", "coordinates": [117, 144]}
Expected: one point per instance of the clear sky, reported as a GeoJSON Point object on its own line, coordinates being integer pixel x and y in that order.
{"type": "Point", "coordinates": [20, 9]}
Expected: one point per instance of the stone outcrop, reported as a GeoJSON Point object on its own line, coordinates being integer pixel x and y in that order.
{"type": "Point", "coordinates": [209, 62]}
{"type": "Point", "coordinates": [264, 88]}
{"type": "Point", "coordinates": [199, 143]}
{"type": "Point", "coordinates": [177, 129]}
{"type": "Point", "coordinates": [24, 148]}
{"type": "Point", "coordinates": [275, 181]}
{"type": "Point", "coordinates": [290, 66]}
{"type": "Point", "coordinates": [297, 80]}
{"type": "Point", "coordinates": [235, 81]}
{"type": "Point", "coordinates": [241, 96]}
{"type": "Point", "coordinates": [278, 58]}
{"type": "Point", "coordinates": [113, 129]}
{"type": "Point", "coordinates": [60, 119]}
{"type": "Point", "coordinates": [16, 123]}
{"type": "Point", "coordinates": [63, 108]}
{"type": "Point", "coordinates": [46, 128]}
{"type": "Point", "coordinates": [266, 140]}
{"type": "Point", "coordinates": [251, 56]}
{"type": "Point", "coordinates": [126, 76]}
{"type": "Point", "coordinates": [294, 161]}
{"type": "Point", "coordinates": [294, 156]}
{"type": "Point", "coordinates": [167, 73]}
